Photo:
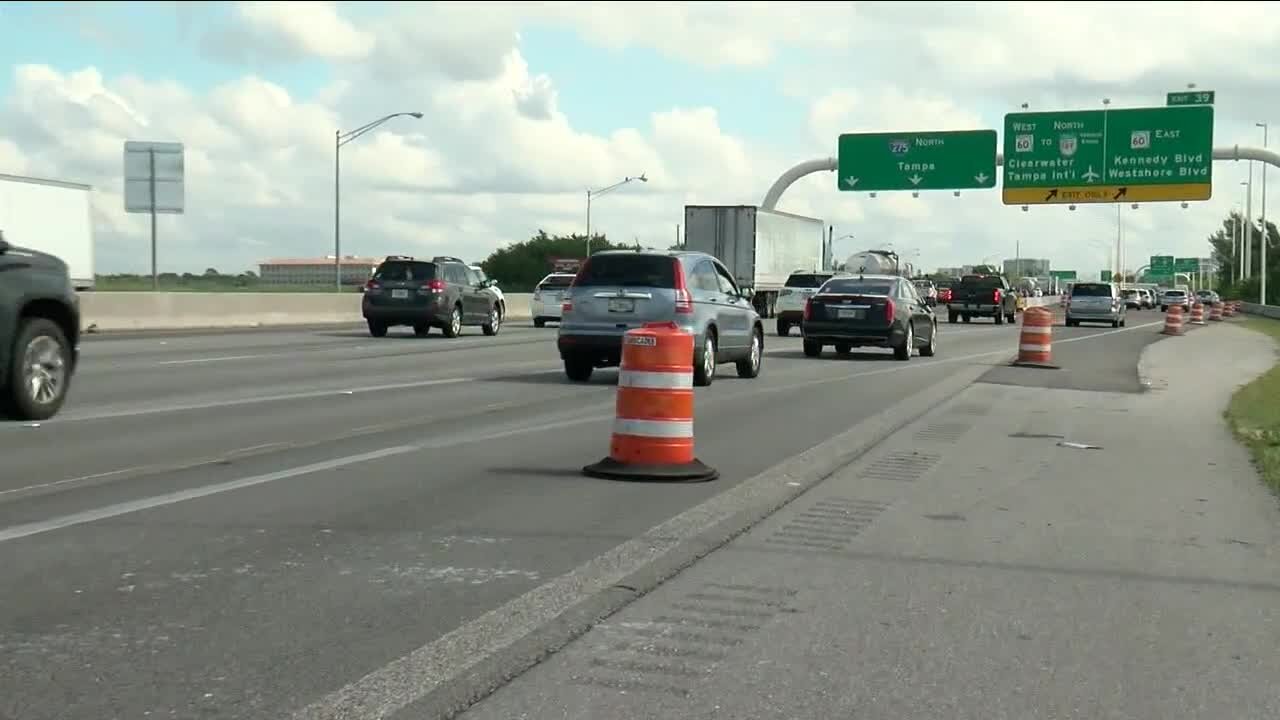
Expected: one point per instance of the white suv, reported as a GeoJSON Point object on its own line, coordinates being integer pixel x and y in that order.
{"type": "Point", "coordinates": [547, 296]}
{"type": "Point", "coordinates": [800, 286]}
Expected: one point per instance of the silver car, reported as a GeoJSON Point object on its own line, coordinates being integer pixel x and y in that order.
{"type": "Point", "coordinates": [618, 290]}
{"type": "Point", "coordinates": [1096, 302]}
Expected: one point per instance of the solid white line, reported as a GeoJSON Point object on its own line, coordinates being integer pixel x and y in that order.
{"type": "Point", "coordinates": [209, 360]}
{"type": "Point", "coordinates": [88, 516]}
{"type": "Point", "coordinates": [132, 506]}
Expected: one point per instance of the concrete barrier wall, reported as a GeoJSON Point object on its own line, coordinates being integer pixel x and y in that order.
{"type": "Point", "coordinates": [179, 310]}
{"type": "Point", "coordinates": [1271, 311]}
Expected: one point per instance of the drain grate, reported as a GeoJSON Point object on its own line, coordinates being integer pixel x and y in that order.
{"type": "Point", "coordinates": [946, 432]}
{"type": "Point", "coordinates": [673, 651]}
{"type": "Point", "coordinates": [975, 409]}
{"type": "Point", "coordinates": [901, 466]}
{"type": "Point", "coordinates": [828, 524]}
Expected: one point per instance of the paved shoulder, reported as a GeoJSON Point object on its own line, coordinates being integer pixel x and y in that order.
{"type": "Point", "coordinates": [1021, 552]}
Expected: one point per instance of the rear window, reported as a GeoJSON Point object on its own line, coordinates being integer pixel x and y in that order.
{"type": "Point", "coordinates": [405, 271]}
{"type": "Point", "coordinates": [656, 271]}
{"type": "Point", "coordinates": [1174, 293]}
{"type": "Point", "coordinates": [990, 281]}
{"type": "Point", "coordinates": [556, 281]}
{"type": "Point", "coordinates": [1091, 290]}
{"type": "Point", "coordinates": [807, 280]}
{"type": "Point", "coordinates": [858, 287]}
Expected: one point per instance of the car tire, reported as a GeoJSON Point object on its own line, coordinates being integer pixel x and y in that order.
{"type": "Point", "coordinates": [453, 327]}
{"type": "Point", "coordinates": [812, 348]}
{"type": "Point", "coordinates": [952, 317]}
{"type": "Point", "coordinates": [42, 337]}
{"type": "Point", "coordinates": [1013, 317]}
{"type": "Point", "coordinates": [704, 370]}
{"type": "Point", "coordinates": [784, 328]}
{"type": "Point", "coordinates": [377, 329]}
{"type": "Point", "coordinates": [903, 351]}
{"type": "Point", "coordinates": [966, 318]}
{"type": "Point", "coordinates": [999, 318]}
{"type": "Point", "coordinates": [932, 348]}
{"type": "Point", "coordinates": [539, 322]}
{"type": "Point", "coordinates": [421, 329]}
{"type": "Point", "coordinates": [1164, 308]}
{"type": "Point", "coordinates": [1122, 323]}
{"type": "Point", "coordinates": [494, 323]}
{"type": "Point", "coordinates": [749, 366]}
{"type": "Point", "coordinates": [843, 348]}
{"type": "Point", "coordinates": [578, 369]}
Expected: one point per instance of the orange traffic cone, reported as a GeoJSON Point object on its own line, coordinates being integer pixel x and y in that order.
{"type": "Point", "coordinates": [653, 423]}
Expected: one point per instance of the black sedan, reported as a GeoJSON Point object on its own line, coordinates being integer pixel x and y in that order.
{"type": "Point", "coordinates": [882, 311]}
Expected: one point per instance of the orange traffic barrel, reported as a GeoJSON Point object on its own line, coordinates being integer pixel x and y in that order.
{"type": "Point", "coordinates": [1215, 311]}
{"type": "Point", "coordinates": [1229, 309]}
{"type": "Point", "coordinates": [1173, 321]}
{"type": "Point", "coordinates": [653, 417]}
{"type": "Point", "coordinates": [1035, 343]}
{"type": "Point", "coordinates": [1197, 314]}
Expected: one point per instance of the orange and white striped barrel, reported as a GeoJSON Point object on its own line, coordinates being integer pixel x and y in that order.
{"type": "Point", "coordinates": [1215, 312]}
{"type": "Point", "coordinates": [1173, 321]}
{"type": "Point", "coordinates": [1236, 308]}
{"type": "Point", "coordinates": [1036, 340]}
{"type": "Point", "coordinates": [1229, 309]}
{"type": "Point", "coordinates": [653, 418]}
{"type": "Point", "coordinates": [1197, 314]}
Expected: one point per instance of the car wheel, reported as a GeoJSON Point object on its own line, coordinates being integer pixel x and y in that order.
{"type": "Point", "coordinates": [454, 327]}
{"type": "Point", "coordinates": [1013, 317]}
{"type": "Point", "coordinates": [578, 369]}
{"type": "Point", "coordinates": [999, 318]}
{"type": "Point", "coordinates": [903, 351]}
{"type": "Point", "coordinates": [1115, 323]}
{"type": "Point", "coordinates": [952, 317]}
{"type": "Point", "coordinates": [40, 371]}
{"type": "Point", "coordinates": [377, 329]}
{"type": "Point", "coordinates": [812, 348]}
{"type": "Point", "coordinates": [1122, 322]}
{"type": "Point", "coordinates": [932, 348]}
{"type": "Point", "coordinates": [784, 328]}
{"type": "Point", "coordinates": [966, 318]}
{"type": "Point", "coordinates": [843, 348]}
{"type": "Point", "coordinates": [704, 363]}
{"type": "Point", "coordinates": [539, 322]}
{"type": "Point", "coordinates": [749, 367]}
{"type": "Point", "coordinates": [421, 329]}
{"type": "Point", "coordinates": [494, 323]}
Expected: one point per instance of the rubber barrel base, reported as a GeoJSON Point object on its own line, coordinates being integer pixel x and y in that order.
{"type": "Point", "coordinates": [1029, 364]}
{"type": "Point", "coordinates": [610, 469]}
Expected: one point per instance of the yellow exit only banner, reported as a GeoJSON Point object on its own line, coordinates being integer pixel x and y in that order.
{"type": "Point", "coordinates": [1081, 194]}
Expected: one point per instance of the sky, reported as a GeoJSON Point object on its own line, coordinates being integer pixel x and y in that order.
{"type": "Point", "coordinates": [527, 105]}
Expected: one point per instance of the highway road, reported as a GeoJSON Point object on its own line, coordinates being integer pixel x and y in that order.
{"type": "Point", "coordinates": [236, 525]}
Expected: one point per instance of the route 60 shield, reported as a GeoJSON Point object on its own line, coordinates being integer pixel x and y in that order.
{"type": "Point", "coordinates": [1067, 145]}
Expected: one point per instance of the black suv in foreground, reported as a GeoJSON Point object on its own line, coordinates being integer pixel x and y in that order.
{"type": "Point", "coordinates": [443, 292]}
{"type": "Point", "coordinates": [39, 333]}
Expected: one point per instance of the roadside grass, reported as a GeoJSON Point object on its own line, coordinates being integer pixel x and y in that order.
{"type": "Point", "coordinates": [1254, 412]}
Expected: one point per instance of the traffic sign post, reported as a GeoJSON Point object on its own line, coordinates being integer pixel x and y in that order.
{"type": "Point", "coordinates": [1193, 97]}
{"type": "Point", "coordinates": [1106, 156]}
{"type": "Point", "coordinates": [958, 160]}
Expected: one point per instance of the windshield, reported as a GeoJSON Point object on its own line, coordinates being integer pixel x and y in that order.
{"type": "Point", "coordinates": [556, 281]}
{"type": "Point", "coordinates": [1091, 290]}
{"type": "Point", "coordinates": [857, 287]}
{"type": "Point", "coordinates": [806, 280]}
{"type": "Point", "coordinates": [627, 270]}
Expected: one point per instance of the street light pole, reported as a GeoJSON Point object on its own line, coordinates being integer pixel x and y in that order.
{"type": "Point", "coordinates": [1262, 290]}
{"type": "Point", "coordinates": [339, 139]}
{"type": "Point", "coordinates": [595, 193]}
{"type": "Point", "coordinates": [1244, 233]}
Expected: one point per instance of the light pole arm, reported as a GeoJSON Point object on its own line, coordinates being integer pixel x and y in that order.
{"type": "Point", "coordinates": [347, 137]}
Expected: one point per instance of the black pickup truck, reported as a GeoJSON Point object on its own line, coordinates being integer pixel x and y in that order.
{"type": "Point", "coordinates": [983, 296]}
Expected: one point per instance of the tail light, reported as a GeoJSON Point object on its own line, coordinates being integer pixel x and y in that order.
{"type": "Point", "coordinates": [890, 310]}
{"type": "Point", "coordinates": [808, 309]}
{"type": "Point", "coordinates": [435, 287]}
{"type": "Point", "coordinates": [684, 301]}
{"type": "Point", "coordinates": [999, 296]}
{"type": "Point", "coordinates": [372, 286]}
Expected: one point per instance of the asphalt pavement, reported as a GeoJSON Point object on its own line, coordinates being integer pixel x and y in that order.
{"type": "Point", "coordinates": [241, 525]}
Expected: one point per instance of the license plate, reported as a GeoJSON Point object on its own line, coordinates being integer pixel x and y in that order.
{"type": "Point", "coordinates": [622, 305]}
{"type": "Point", "coordinates": [399, 294]}
{"type": "Point", "coordinates": [849, 313]}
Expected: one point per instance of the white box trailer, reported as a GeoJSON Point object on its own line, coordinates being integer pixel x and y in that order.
{"type": "Point", "coordinates": [53, 217]}
{"type": "Point", "coordinates": [761, 248]}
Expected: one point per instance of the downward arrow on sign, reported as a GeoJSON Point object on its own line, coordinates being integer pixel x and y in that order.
{"type": "Point", "coordinates": [915, 179]}
{"type": "Point", "coordinates": [851, 181]}
{"type": "Point", "coordinates": [980, 178]}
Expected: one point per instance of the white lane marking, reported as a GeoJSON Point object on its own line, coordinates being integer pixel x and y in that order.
{"type": "Point", "coordinates": [36, 528]}
{"type": "Point", "coordinates": [193, 361]}
{"type": "Point", "coordinates": [113, 414]}
{"type": "Point", "coordinates": [82, 478]}
{"type": "Point", "coordinates": [537, 425]}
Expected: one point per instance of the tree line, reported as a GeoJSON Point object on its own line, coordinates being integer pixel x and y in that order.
{"type": "Point", "coordinates": [1226, 254]}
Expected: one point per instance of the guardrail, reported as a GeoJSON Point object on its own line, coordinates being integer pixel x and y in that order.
{"type": "Point", "coordinates": [1271, 311]}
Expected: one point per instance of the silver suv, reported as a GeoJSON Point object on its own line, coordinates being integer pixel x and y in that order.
{"type": "Point", "coordinates": [618, 290]}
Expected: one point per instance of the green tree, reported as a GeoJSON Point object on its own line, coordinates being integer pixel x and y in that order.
{"type": "Point", "coordinates": [1226, 253]}
{"type": "Point", "coordinates": [519, 266]}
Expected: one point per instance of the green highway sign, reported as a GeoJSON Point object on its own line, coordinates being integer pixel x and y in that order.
{"type": "Point", "coordinates": [1186, 265]}
{"type": "Point", "coordinates": [1063, 274]}
{"type": "Point", "coordinates": [1161, 265]}
{"type": "Point", "coordinates": [1190, 97]}
{"type": "Point", "coordinates": [1104, 156]}
{"type": "Point", "coordinates": [1105, 275]}
{"type": "Point", "coordinates": [956, 160]}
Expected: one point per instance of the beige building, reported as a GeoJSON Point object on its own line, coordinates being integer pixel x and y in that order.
{"type": "Point", "coordinates": [315, 271]}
